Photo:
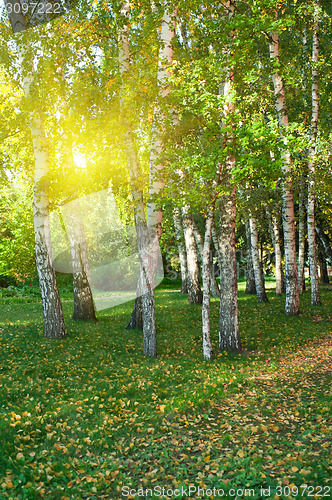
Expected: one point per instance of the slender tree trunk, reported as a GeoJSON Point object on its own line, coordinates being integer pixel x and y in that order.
{"type": "Point", "coordinates": [292, 288]}
{"type": "Point", "coordinates": [83, 300]}
{"type": "Point", "coordinates": [325, 240]}
{"type": "Point", "coordinates": [250, 278]}
{"type": "Point", "coordinates": [182, 249]}
{"type": "Point", "coordinates": [200, 246]}
{"type": "Point", "coordinates": [52, 309]}
{"type": "Point", "coordinates": [301, 238]}
{"type": "Point", "coordinates": [259, 276]}
{"type": "Point", "coordinates": [146, 272]}
{"type": "Point", "coordinates": [136, 318]}
{"type": "Point", "coordinates": [156, 178]}
{"type": "Point", "coordinates": [229, 336]}
{"type": "Point", "coordinates": [156, 168]}
{"type": "Point", "coordinates": [194, 287]}
{"type": "Point", "coordinates": [145, 290]}
{"type": "Point", "coordinates": [324, 275]}
{"type": "Point", "coordinates": [207, 347]}
{"type": "Point", "coordinates": [275, 236]}
{"type": "Point", "coordinates": [314, 279]}
{"type": "Point", "coordinates": [216, 242]}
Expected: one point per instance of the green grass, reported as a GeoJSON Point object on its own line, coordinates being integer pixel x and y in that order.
{"type": "Point", "coordinates": [87, 415]}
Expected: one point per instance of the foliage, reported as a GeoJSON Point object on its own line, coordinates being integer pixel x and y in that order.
{"type": "Point", "coordinates": [17, 255]}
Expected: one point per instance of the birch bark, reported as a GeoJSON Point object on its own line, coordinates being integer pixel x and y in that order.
{"type": "Point", "coordinates": [325, 241]}
{"type": "Point", "coordinates": [301, 238]}
{"type": "Point", "coordinates": [200, 245]}
{"type": "Point", "coordinates": [156, 178]}
{"type": "Point", "coordinates": [250, 277]}
{"type": "Point", "coordinates": [324, 275]}
{"type": "Point", "coordinates": [216, 242]}
{"type": "Point", "coordinates": [229, 337]}
{"type": "Point", "coordinates": [207, 347]}
{"type": "Point", "coordinates": [52, 309]}
{"type": "Point", "coordinates": [194, 287]}
{"type": "Point", "coordinates": [275, 237]}
{"type": "Point", "coordinates": [259, 277]}
{"type": "Point", "coordinates": [182, 249]}
{"type": "Point", "coordinates": [314, 279]}
{"type": "Point", "coordinates": [292, 288]}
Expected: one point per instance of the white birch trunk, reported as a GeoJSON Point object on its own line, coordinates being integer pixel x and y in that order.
{"type": "Point", "coordinates": [52, 309]}
{"type": "Point", "coordinates": [53, 316]}
{"type": "Point", "coordinates": [314, 279]}
{"type": "Point", "coordinates": [250, 277]}
{"type": "Point", "coordinates": [292, 288]}
{"type": "Point", "coordinates": [207, 347]}
{"type": "Point", "coordinates": [229, 336]}
{"type": "Point", "coordinates": [325, 241]}
{"type": "Point", "coordinates": [147, 291]}
{"type": "Point", "coordinates": [216, 242]}
{"type": "Point", "coordinates": [275, 237]}
{"type": "Point", "coordinates": [324, 275]}
{"type": "Point", "coordinates": [259, 277]}
{"type": "Point", "coordinates": [200, 245]}
{"type": "Point", "coordinates": [156, 180]}
{"type": "Point", "coordinates": [194, 287]}
{"type": "Point", "coordinates": [301, 238]}
{"type": "Point", "coordinates": [182, 249]}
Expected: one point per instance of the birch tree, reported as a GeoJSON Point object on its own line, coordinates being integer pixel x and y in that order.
{"type": "Point", "coordinates": [325, 240]}
{"type": "Point", "coordinates": [259, 277]}
{"type": "Point", "coordinates": [292, 288]}
{"type": "Point", "coordinates": [143, 240]}
{"type": "Point", "coordinates": [156, 170]}
{"type": "Point", "coordinates": [194, 286]}
{"type": "Point", "coordinates": [273, 217]}
{"type": "Point", "coordinates": [314, 280]}
{"type": "Point", "coordinates": [206, 272]}
{"type": "Point", "coordinates": [200, 245]}
{"type": "Point", "coordinates": [301, 238]}
{"type": "Point", "coordinates": [229, 337]}
{"type": "Point", "coordinates": [182, 249]}
{"type": "Point", "coordinates": [250, 276]}
{"type": "Point", "coordinates": [53, 316]}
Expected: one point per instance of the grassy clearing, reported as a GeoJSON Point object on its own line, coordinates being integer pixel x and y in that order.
{"type": "Point", "coordinates": [86, 416]}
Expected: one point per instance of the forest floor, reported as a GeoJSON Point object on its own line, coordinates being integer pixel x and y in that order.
{"type": "Point", "coordinates": [88, 417]}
